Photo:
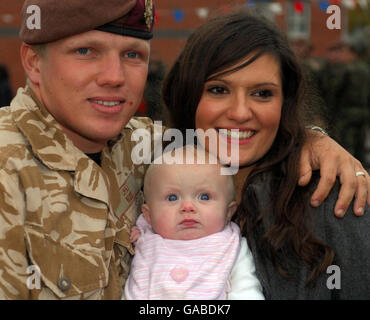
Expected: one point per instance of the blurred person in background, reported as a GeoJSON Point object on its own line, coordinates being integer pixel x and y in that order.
{"type": "Point", "coordinates": [311, 67]}
{"type": "Point", "coordinates": [344, 84]}
{"type": "Point", "coordinates": [5, 89]}
{"type": "Point", "coordinates": [151, 105]}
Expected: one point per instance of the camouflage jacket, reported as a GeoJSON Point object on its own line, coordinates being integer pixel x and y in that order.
{"type": "Point", "coordinates": [64, 220]}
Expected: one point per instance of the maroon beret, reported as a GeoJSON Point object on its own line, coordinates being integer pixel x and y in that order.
{"type": "Point", "coordinates": [58, 19]}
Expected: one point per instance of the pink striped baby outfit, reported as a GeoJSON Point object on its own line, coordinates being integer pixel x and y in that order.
{"type": "Point", "coordinates": [182, 269]}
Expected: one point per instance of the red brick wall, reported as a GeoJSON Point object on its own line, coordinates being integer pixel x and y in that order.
{"type": "Point", "coordinates": [9, 46]}
{"type": "Point", "coordinates": [321, 36]}
{"type": "Point", "coordinates": [166, 47]}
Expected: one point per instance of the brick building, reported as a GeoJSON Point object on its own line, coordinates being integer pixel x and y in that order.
{"type": "Point", "coordinates": [176, 19]}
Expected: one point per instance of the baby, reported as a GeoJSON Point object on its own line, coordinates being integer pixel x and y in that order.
{"type": "Point", "coordinates": [186, 245]}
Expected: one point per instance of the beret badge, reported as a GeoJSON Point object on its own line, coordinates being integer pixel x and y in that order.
{"type": "Point", "coordinates": [148, 13]}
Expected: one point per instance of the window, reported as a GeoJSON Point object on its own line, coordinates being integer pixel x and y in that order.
{"type": "Point", "coordinates": [298, 22]}
{"type": "Point", "coordinates": [263, 9]}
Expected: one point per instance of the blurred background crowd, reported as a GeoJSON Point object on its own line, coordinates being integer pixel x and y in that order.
{"type": "Point", "coordinates": [336, 61]}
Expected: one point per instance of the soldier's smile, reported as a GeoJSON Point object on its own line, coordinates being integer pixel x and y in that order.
{"type": "Point", "coordinates": [108, 105]}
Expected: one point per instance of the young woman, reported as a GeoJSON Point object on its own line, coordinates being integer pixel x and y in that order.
{"type": "Point", "coordinates": [238, 72]}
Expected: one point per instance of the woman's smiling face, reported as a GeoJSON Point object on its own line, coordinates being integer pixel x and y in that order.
{"type": "Point", "coordinates": [249, 100]}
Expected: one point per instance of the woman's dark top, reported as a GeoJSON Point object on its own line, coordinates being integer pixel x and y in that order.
{"type": "Point", "coordinates": [349, 237]}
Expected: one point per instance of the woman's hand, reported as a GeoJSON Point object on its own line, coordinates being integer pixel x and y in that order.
{"type": "Point", "coordinates": [322, 152]}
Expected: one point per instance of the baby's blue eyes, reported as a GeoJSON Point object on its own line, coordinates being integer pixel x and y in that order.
{"type": "Point", "coordinates": [204, 196]}
{"type": "Point", "coordinates": [172, 197]}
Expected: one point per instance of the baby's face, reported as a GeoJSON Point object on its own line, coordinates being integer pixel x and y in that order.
{"type": "Point", "coordinates": [185, 202]}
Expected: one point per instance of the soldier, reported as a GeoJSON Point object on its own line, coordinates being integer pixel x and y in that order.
{"type": "Point", "coordinates": [69, 190]}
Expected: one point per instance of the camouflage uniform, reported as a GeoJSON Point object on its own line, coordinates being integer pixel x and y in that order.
{"type": "Point", "coordinates": [60, 211]}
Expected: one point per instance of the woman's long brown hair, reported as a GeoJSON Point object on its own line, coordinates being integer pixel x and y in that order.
{"type": "Point", "coordinates": [214, 49]}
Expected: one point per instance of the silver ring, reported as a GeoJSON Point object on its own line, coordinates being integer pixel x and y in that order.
{"type": "Point", "coordinates": [360, 173]}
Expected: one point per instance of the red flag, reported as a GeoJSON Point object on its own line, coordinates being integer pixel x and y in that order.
{"type": "Point", "coordinates": [298, 6]}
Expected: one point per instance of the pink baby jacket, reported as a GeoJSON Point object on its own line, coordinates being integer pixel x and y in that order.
{"type": "Point", "coordinates": [182, 269]}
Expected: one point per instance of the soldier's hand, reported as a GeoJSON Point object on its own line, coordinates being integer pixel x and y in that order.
{"type": "Point", "coordinates": [322, 152]}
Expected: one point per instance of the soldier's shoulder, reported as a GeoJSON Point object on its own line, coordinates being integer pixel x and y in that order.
{"type": "Point", "coordinates": [12, 141]}
{"type": "Point", "coordinates": [5, 114]}
{"type": "Point", "coordinates": [139, 123]}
